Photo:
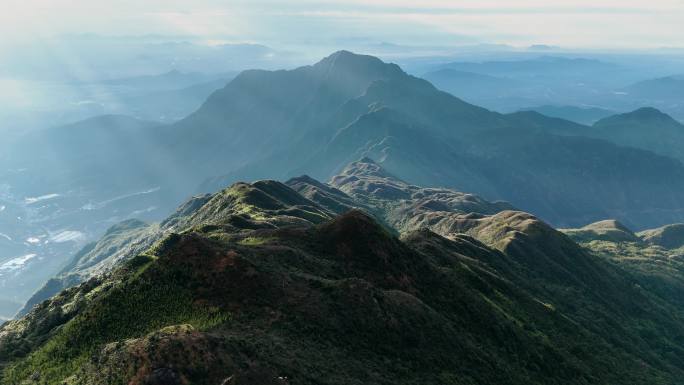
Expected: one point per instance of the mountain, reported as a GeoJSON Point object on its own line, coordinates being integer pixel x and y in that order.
{"type": "Point", "coordinates": [470, 85]}
{"type": "Point", "coordinates": [279, 107]}
{"type": "Point", "coordinates": [164, 98]}
{"type": "Point", "coordinates": [85, 177]}
{"type": "Point", "coordinates": [669, 236]}
{"type": "Point", "coordinates": [171, 80]}
{"type": "Point", "coordinates": [546, 80]}
{"type": "Point", "coordinates": [165, 105]}
{"type": "Point", "coordinates": [607, 230]}
{"type": "Point", "coordinates": [96, 258]}
{"type": "Point", "coordinates": [581, 115]}
{"type": "Point", "coordinates": [432, 138]}
{"type": "Point", "coordinates": [65, 186]}
{"type": "Point", "coordinates": [316, 119]}
{"type": "Point", "coordinates": [646, 128]}
{"type": "Point", "coordinates": [665, 88]}
{"type": "Point", "coordinates": [536, 67]}
{"type": "Point", "coordinates": [653, 257]}
{"type": "Point", "coordinates": [258, 284]}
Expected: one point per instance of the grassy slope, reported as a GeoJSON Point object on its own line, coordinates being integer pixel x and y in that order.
{"type": "Point", "coordinates": [263, 287]}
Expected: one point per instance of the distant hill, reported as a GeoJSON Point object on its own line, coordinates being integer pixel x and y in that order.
{"type": "Point", "coordinates": [669, 236]}
{"type": "Point", "coordinates": [645, 128]}
{"type": "Point", "coordinates": [665, 88]}
{"type": "Point", "coordinates": [541, 66]}
{"type": "Point", "coordinates": [433, 138]}
{"type": "Point", "coordinates": [582, 115]}
{"type": "Point", "coordinates": [470, 85]}
{"type": "Point", "coordinates": [655, 257]}
{"type": "Point", "coordinates": [172, 80]}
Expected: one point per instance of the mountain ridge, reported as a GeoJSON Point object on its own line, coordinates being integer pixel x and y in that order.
{"type": "Point", "coordinates": [277, 287]}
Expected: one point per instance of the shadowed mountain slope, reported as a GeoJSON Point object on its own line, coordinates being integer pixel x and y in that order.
{"type": "Point", "coordinates": [645, 128]}
{"type": "Point", "coordinates": [669, 236]}
{"type": "Point", "coordinates": [432, 138]}
{"type": "Point", "coordinates": [316, 119]}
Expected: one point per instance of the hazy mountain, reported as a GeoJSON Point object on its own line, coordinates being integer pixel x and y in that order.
{"type": "Point", "coordinates": [548, 80]}
{"type": "Point", "coordinates": [536, 67]}
{"type": "Point", "coordinates": [582, 115]}
{"type": "Point", "coordinates": [470, 85]}
{"type": "Point", "coordinates": [430, 137]}
{"type": "Point", "coordinates": [64, 186]}
{"type": "Point", "coordinates": [665, 88]}
{"type": "Point", "coordinates": [172, 80]}
{"type": "Point", "coordinates": [645, 128]}
{"type": "Point", "coordinates": [117, 244]}
{"type": "Point", "coordinates": [85, 177]}
{"type": "Point", "coordinates": [267, 286]}
{"type": "Point", "coordinates": [280, 108]}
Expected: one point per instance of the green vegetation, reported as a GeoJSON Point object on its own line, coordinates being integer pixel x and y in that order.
{"type": "Point", "coordinates": [149, 297]}
{"type": "Point", "coordinates": [279, 296]}
{"type": "Point", "coordinates": [254, 241]}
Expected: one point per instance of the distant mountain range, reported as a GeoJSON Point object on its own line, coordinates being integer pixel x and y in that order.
{"type": "Point", "coordinates": [563, 85]}
{"type": "Point", "coordinates": [582, 115]}
{"type": "Point", "coordinates": [536, 67]}
{"type": "Point", "coordinates": [645, 128]}
{"type": "Point", "coordinates": [471, 85]}
{"type": "Point", "coordinates": [315, 120]}
{"type": "Point", "coordinates": [432, 138]}
{"type": "Point", "coordinates": [665, 88]}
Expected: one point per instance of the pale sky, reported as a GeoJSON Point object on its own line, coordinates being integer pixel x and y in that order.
{"type": "Point", "coordinates": [573, 24]}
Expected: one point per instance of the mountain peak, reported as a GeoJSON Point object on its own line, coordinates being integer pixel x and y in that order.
{"type": "Point", "coordinates": [609, 230]}
{"type": "Point", "coordinates": [608, 224]}
{"type": "Point", "coordinates": [669, 236]}
{"type": "Point", "coordinates": [647, 113]}
{"type": "Point", "coordinates": [345, 57]}
{"type": "Point", "coordinates": [367, 167]}
{"type": "Point", "coordinates": [641, 115]}
{"type": "Point", "coordinates": [346, 63]}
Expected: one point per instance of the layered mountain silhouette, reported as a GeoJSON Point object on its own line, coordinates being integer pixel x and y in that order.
{"type": "Point", "coordinates": [431, 138]}
{"type": "Point", "coordinates": [653, 257]}
{"type": "Point", "coordinates": [305, 282]}
{"type": "Point", "coordinates": [645, 128]}
{"type": "Point", "coordinates": [582, 115]}
{"type": "Point", "coordinates": [316, 119]}
{"type": "Point", "coordinates": [664, 88]}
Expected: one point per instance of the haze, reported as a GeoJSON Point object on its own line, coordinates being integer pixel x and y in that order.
{"type": "Point", "coordinates": [583, 23]}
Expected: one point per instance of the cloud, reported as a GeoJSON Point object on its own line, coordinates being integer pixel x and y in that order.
{"type": "Point", "coordinates": [581, 23]}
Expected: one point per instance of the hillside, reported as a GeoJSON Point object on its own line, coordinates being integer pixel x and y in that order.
{"type": "Point", "coordinates": [664, 88]}
{"type": "Point", "coordinates": [432, 138]}
{"type": "Point", "coordinates": [314, 120]}
{"type": "Point", "coordinates": [259, 284]}
{"type": "Point", "coordinates": [583, 114]}
{"type": "Point", "coordinates": [654, 257]}
{"type": "Point", "coordinates": [645, 128]}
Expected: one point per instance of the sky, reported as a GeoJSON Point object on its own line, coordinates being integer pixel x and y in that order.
{"type": "Point", "coordinates": [619, 24]}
